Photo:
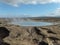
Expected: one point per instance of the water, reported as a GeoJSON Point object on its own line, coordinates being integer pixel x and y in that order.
{"type": "Point", "coordinates": [31, 23]}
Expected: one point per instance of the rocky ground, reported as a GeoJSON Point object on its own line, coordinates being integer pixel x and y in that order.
{"type": "Point", "coordinates": [18, 35]}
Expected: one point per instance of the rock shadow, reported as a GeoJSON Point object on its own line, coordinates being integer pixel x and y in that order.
{"type": "Point", "coordinates": [49, 31]}
{"type": "Point", "coordinates": [4, 32]}
{"type": "Point", "coordinates": [37, 30]}
{"type": "Point", "coordinates": [42, 43]}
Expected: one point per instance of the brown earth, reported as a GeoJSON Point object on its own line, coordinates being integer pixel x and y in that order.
{"type": "Point", "coordinates": [18, 35]}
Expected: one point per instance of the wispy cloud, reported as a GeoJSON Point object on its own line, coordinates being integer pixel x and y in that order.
{"type": "Point", "coordinates": [54, 13]}
{"type": "Point", "coordinates": [16, 2]}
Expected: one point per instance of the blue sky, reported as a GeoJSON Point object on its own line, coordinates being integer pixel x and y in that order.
{"type": "Point", "coordinates": [7, 10]}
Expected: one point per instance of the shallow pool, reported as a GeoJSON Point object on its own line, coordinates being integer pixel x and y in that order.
{"type": "Point", "coordinates": [31, 23]}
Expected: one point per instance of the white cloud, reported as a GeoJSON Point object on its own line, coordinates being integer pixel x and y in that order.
{"type": "Point", "coordinates": [54, 13]}
{"type": "Point", "coordinates": [16, 2]}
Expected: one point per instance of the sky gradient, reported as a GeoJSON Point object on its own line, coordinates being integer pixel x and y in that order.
{"type": "Point", "coordinates": [32, 10]}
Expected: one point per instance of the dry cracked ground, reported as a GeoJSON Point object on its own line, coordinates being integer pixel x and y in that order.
{"type": "Point", "coordinates": [18, 35]}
